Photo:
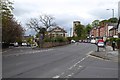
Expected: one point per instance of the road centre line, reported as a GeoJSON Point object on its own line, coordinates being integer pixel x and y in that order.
{"type": "Point", "coordinates": [69, 75]}
{"type": "Point", "coordinates": [81, 60]}
{"type": "Point", "coordinates": [58, 76]}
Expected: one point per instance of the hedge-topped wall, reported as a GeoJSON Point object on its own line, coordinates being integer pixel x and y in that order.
{"type": "Point", "coordinates": [54, 44]}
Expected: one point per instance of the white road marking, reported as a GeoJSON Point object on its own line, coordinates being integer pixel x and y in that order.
{"type": "Point", "coordinates": [70, 67]}
{"type": "Point", "coordinates": [78, 62]}
{"type": "Point", "coordinates": [79, 67]}
{"type": "Point", "coordinates": [69, 75]}
{"type": "Point", "coordinates": [81, 60]}
{"type": "Point", "coordinates": [74, 66]}
{"type": "Point", "coordinates": [56, 76]}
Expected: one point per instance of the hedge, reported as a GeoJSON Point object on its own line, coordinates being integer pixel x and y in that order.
{"type": "Point", "coordinates": [55, 39]}
{"type": "Point", "coordinates": [117, 40]}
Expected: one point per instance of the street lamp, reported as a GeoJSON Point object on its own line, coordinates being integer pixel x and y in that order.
{"type": "Point", "coordinates": [112, 12]}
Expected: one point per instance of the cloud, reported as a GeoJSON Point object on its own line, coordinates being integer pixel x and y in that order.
{"type": "Point", "coordinates": [65, 11]}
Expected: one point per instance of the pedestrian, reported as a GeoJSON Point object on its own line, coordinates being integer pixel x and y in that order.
{"type": "Point", "coordinates": [113, 45]}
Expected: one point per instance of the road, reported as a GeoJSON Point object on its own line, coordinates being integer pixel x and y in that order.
{"type": "Point", "coordinates": [71, 61]}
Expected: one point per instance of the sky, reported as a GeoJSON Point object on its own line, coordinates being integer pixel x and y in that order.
{"type": "Point", "coordinates": [64, 11]}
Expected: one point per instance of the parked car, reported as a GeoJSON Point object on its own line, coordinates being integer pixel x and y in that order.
{"type": "Point", "coordinates": [100, 44]}
{"type": "Point", "coordinates": [73, 41]}
{"type": "Point", "coordinates": [24, 44]}
{"type": "Point", "coordinates": [16, 44]}
{"type": "Point", "coordinates": [93, 41]}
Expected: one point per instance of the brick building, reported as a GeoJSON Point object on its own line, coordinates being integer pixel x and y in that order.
{"type": "Point", "coordinates": [107, 30]}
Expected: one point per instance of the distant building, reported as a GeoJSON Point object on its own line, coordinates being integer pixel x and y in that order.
{"type": "Point", "coordinates": [57, 31]}
{"type": "Point", "coordinates": [113, 31]}
{"type": "Point", "coordinates": [75, 23]}
{"type": "Point", "coordinates": [108, 30]}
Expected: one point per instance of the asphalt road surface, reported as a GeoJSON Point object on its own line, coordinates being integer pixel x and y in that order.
{"type": "Point", "coordinates": [71, 61]}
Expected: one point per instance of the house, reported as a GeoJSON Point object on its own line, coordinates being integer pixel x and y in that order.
{"type": "Point", "coordinates": [57, 31]}
{"type": "Point", "coordinates": [106, 30]}
{"type": "Point", "coordinates": [113, 31]}
{"type": "Point", "coordinates": [102, 31]}
{"type": "Point", "coordinates": [98, 31]}
{"type": "Point", "coordinates": [93, 32]}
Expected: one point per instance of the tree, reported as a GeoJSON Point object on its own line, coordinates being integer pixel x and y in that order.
{"type": "Point", "coordinates": [113, 20]}
{"type": "Point", "coordinates": [41, 24]}
{"type": "Point", "coordinates": [88, 29]}
{"type": "Point", "coordinates": [6, 9]}
{"type": "Point", "coordinates": [47, 20]}
{"type": "Point", "coordinates": [11, 29]}
{"type": "Point", "coordinates": [79, 30]}
{"type": "Point", "coordinates": [95, 23]}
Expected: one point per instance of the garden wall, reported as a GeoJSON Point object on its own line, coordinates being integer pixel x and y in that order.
{"type": "Point", "coordinates": [54, 44]}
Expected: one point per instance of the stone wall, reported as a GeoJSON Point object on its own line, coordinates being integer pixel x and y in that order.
{"type": "Point", "coordinates": [54, 44]}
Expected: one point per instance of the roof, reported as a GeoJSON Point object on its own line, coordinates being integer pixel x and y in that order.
{"type": "Point", "coordinates": [76, 21]}
{"type": "Point", "coordinates": [113, 24]}
{"type": "Point", "coordinates": [113, 28]}
{"type": "Point", "coordinates": [57, 27]}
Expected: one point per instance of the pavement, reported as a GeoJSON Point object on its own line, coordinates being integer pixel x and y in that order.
{"type": "Point", "coordinates": [106, 54]}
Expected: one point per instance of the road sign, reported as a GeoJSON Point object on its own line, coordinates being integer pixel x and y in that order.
{"type": "Point", "coordinates": [41, 36]}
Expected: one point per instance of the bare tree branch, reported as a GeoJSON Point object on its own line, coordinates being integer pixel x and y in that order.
{"type": "Point", "coordinates": [47, 20]}
{"type": "Point", "coordinates": [42, 23]}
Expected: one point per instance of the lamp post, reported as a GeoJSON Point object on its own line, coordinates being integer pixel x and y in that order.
{"type": "Point", "coordinates": [112, 12]}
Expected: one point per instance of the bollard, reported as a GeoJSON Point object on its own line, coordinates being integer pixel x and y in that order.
{"type": "Point", "coordinates": [97, 48]}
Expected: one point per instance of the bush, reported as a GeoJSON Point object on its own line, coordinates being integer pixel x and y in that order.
{"type": "Point", "coordinates": [117, 40]}
{"type": "Point", "coordinates": [107, 40]}
{"type": "Point", "coordinates": [118, 43]}
{"type": "Point", "coordinates": [60, 39]}
{"type": "Point", "coordinates": [47, 39]}
{"type": "Point", "coordinates": [69, 38]}
{"type": "Point", "coordinates": [55, 39]}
